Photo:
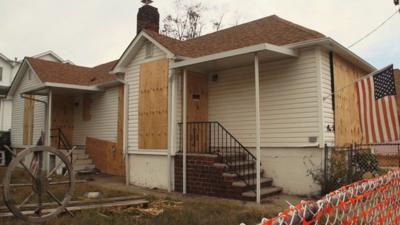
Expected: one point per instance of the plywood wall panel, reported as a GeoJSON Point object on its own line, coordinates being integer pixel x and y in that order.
{"type": "Point", "coordinates": [153, 105]}
{"type": "Point", "coordinates": [29, 104]}
{"type": "Point", "coordinates": [106, 156]}
{"type": "Point", "coordinates": [347, 117]}
{"type": "Point", "coordinates": [63, 117]}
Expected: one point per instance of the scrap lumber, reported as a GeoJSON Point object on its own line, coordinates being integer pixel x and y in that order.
{"type": "Point", "coordinates": [124, 203]}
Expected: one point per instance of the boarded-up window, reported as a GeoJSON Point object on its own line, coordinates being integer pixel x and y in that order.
{"type": "Point", "coordinates": [29, 105]}
{"type": "Point", "coordinates": [153, 105]}
{"type": "Point", "coordinates": [87, 101]}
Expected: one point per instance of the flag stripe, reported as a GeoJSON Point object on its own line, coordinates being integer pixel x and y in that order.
{"type": "Point", "coordinates": [371, 104]}
{"type": "Point", "coordinates": [378, 107]}
{"type": "Point", "coordinates": [364, 111]}
{"type": "Point", "coordinates": [393, 117]}
{"type": "Point", "coordinates": [388, 120]}
{"type": "Point", "coordinates": [382, 119]}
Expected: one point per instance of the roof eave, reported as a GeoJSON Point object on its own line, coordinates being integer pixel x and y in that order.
{"type": "Point", "coordinates": [336, 47]}
{"type": "Point", "coordinates": [236, 52]}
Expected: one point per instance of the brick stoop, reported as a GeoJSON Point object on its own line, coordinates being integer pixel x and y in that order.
{"type": "Point", "coordinates": [208, 175]}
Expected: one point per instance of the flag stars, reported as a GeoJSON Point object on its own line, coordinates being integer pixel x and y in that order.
{"type": "Point", "coordinates": [384, 84]}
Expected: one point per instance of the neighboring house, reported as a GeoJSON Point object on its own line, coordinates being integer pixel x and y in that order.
{"type": "Point", "coordinates": [270, 72]}
{"type": "Point", "coordinates": [198, 115]}
{"type": "Point", "coordinates": [8, 69]}
{"type": "Point", "coordinates": [72, 105]}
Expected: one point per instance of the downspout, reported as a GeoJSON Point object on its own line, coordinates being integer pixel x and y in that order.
{"type": "Point", "coordinates": [125, 135]}
{"type": "Point", "coordinates": [332, 70]}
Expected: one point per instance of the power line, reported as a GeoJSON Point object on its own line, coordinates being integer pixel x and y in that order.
{"type": "Point", "coordinates": [377, 28]}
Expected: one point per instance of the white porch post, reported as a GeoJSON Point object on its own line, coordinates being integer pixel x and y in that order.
{"type": "Point", "coordinates": [171, 125]}
{"type": "Point", "coordinates": [184, 135]}
{"type": "Point", "coordinates": [258, 144]}
{"type": "Point", "coordinates": [49, 109]}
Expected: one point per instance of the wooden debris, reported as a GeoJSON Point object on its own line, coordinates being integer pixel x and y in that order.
{"type": "Point", "coordinates": [77, 203]}
{"type": "Point", "coordinates": [129, 203]}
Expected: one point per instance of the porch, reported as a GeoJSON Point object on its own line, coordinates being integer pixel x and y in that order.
{"type": "Point", "coordinates": [225, 88]}
{"type": "Point", "coordinates": [81, 118]}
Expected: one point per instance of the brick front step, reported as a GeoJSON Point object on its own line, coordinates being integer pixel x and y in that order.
{"type": "Point", "coordinates": [265, 192]}
{"type": "Point", "coordinates": [208, 175]}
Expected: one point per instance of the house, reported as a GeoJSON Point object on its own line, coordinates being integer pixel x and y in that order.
{"type": "Point", "coordinates": [254, 94]}
{"type": "Point", "coordinates": [8, 69]}
{"type": "Point", "coordinates": [244, 112]}
{"type": "Point", "coordinates": [73, 106]}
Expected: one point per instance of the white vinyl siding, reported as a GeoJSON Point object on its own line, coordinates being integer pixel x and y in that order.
{"type": "Point", "coordinates": [17, 129]}
{"type": "Point", "coordinates": [288, 102]}
{"type": "Point", "coordinates": [328, 114]}
{"type": "Point", "coordinates": [104, 117]}
{"type": "Point", "coordinates": [132, 78]}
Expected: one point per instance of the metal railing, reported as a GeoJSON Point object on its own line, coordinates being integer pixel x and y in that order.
{"type": "Point", "coordinates": [213, 138]}
{"type": "Point", "coordinates": [62, 141]}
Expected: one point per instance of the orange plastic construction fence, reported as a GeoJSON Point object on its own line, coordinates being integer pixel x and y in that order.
{"type": "Point", "coordinates": [369, 201]}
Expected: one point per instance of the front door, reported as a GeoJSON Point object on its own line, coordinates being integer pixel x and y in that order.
{"type": "Point", "coordinates": [62, 118]}
{"type": "Point", "coordinates": [197, 97]}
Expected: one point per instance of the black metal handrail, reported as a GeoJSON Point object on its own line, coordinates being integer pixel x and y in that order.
{"type": "Point", "coordinates": [213, 138]}
{"type": "Point", "coordinates": [62, 141]}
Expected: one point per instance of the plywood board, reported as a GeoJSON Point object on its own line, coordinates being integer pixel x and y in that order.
{"type": "Point", "coordinates": [197, 106]}
{"type": "Point", "coordinates": [347, 117]}
{"type": "Point", "coordinates": [120, 126]}
{"type": "Point", "coordinates": [106, 156]}
{"type": "Point", "coordinates": [87, 102]}
{"type": "Point", "coordinates": [62, 117]}
{"type": "Point", "coordinates": [29, 108]}
{"type": "Point", "coordinates": [153, 105]}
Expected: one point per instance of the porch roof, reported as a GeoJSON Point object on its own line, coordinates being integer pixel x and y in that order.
{"type": "Point", "coordinates": [71, 89]}
{"type": "Point", "coordinates": [236, 58]}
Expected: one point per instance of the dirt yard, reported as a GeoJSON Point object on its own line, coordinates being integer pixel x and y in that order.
{"type": "Point", "coordinates": [165, 208]}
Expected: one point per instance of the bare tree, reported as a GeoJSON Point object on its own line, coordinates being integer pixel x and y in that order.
{"type": "Point", "coordinates": [217, 24]}
{"type": "Point", "coordinates": [187, 21]}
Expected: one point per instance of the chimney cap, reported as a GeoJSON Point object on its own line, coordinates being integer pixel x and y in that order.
{"type": "Point", "coordinates": [147, 2]}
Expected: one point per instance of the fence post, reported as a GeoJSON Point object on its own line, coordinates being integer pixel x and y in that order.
{"type": "Point", "coordinates": [326, 158]}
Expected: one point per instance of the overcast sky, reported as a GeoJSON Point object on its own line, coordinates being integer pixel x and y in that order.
{"type": "Point", "coordinates": [91, 32]}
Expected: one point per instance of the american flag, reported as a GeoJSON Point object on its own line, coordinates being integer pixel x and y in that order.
{"type": "Point", "coordinates": [377, 106]}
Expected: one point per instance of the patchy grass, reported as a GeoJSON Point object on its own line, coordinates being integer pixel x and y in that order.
{"type": "Point", "coordinates": [179, 210]}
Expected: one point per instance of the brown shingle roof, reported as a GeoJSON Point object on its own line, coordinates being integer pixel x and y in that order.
{"type": "Point", "coordinates": [271, 29]}
{"type": "Point", "coordinates": [48, 71]}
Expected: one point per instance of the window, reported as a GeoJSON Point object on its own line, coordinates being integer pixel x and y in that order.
{"type": "Point", "coordinates": [2, 158]}
{"type": "Point", "coordinates": [149, 49]}
{"type": "Point", "coordinates": [1, 73]}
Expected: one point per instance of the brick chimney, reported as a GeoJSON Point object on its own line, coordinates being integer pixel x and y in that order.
{"type": "Point", "coordinates": [148, 17]}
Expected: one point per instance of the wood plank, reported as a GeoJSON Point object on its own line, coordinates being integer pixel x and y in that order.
{"type": "Point", "coordinates": [153, 105]}
{"type": "Point", "coordinates": [29, 108]}
{"type": "Point", "coordinates": [106, 156]}
{"type": "Point", "coordinates": [77, 203]}
{"type": "Point", "coordinates": [63, 117]}
{"type": "Point", "coordinates": [347, 117]}
{"type": "Point", "coordinates": [120, 126]}
{"type": "Point", "coordinates": [87, 102]}
{"type": "Point", "coordinates": [197, 107]}
{"type": "Point", "coordinates": [129, 203]}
